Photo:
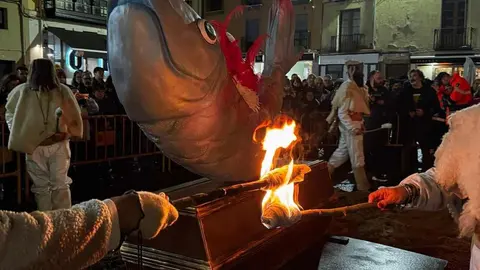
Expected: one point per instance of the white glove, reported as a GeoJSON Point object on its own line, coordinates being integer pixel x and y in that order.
{"type": "Point", "coordinates": [159, 213]}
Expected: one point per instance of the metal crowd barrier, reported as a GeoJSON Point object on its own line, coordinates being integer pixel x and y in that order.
{"type": "Point", "coordinates": [114, 137]}
{"type": "Point", "coordinates": [10, 162]}
{"type": "Point", "coordinates": [106, 138]}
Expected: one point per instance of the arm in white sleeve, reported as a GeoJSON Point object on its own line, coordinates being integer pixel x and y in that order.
{"type": "Point", "coordinates": [431, 196]}
{"type": "Point", "coordinates": [344, 117]}
{"type": "Point", "coordinates": [72, 112]}
{"type": "Point", "coordinates": [11, 105]}
{"type": "Point", "coordinates": [68, 239]}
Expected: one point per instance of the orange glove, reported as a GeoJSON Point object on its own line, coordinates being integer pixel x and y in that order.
{"type": "Point", "coordinates": [388, 196]}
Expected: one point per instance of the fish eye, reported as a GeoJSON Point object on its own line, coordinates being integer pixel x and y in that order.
{"type": "Point", "coordinates": [208, 31]}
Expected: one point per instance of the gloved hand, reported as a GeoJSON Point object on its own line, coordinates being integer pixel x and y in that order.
{"type": "Point", "coordinates": [388, 196]}
{"type": "Point", "coordinates": [358, 131]}
{"type": "Point", "coordinates": [159, 213]}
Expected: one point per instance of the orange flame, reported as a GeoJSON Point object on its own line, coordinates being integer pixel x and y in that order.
{"type": "Point", "coordinates": [276, 138]}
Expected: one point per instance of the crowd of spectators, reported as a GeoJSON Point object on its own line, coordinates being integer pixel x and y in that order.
{"type": "Point", "coordinates": [95, 95]}
{"type": "Point", "coordinates": [416, 106]}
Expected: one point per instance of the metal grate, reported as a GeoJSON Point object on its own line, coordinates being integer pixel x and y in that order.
{"type": "Point", "coordinates": [457, 38]}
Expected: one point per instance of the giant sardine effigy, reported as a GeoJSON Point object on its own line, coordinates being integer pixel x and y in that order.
{"type": "Point", "coordinates": [175, 76]}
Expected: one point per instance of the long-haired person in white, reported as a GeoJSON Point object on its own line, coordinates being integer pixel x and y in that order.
{"type": "Point", "coordinates": [42, 115]}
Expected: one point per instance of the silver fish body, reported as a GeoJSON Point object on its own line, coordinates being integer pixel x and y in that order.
{"type": "Point", "coordinates": [171, 77]}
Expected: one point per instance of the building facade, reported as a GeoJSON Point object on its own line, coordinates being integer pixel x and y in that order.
{"type": "Point", "coordinates": [440, 37]}
{"type": "Point", "coordinates": [254, 22]}
{"type": "Point", "coordinates": [350, 33]}
{"type": "Point", "coordinates": [72, 33]}
{"type": "Point", "coordinates": [397, 35]}
{"type": "Point", "coordinates": [12, 37]}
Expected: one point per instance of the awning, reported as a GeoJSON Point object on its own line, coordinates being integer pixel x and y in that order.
{"type": "Point", "coordinates": [97, 55]}
{"type": "Point", "coordinates": [93, 44]}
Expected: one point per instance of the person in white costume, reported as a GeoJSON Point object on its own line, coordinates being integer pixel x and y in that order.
{"type": "Point", "coordinates": [349, 106]}
{"type": "Point", "coordinates": [78, 237]}
{"type": "Point", "coordinates": [453, 183]}
{"type": "Point", "coordinates": [42, 114]}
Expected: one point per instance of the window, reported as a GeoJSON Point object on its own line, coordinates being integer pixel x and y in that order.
{"type": "Point", "coordinates": [3, 18]}
{"type": "Point", "coordinates": [336, 71]}
{"type": "Point", "coordinates": [453, 33]}
{"type": "Point", "coordinates": [454, 14]}
{"type": "Point", "coordinates": [299, 2]}
{"type": "Point", "coordinates": [252, 31]}
{"type": "Point", "coordinates": [252, 2]}
{"type": "Point", "coordinates": [349, 38]}
{"type": "Point", "coordinates": [213, 5]}
{"type": "Point", "coordinates": [350, 22]}
{"type": "Point", "coordinates": [302, 37]}
{"type": "Point", "coordinates": [301, 23]}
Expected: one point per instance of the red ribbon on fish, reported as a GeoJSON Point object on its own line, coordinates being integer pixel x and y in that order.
{"type": "Point", "coordinates": [242, 70]}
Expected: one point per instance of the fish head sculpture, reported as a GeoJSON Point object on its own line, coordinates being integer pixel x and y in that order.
{"type": "Point", "coordinates": [163, 58]}
{"type": "Point", "coordinates": [172, 78]}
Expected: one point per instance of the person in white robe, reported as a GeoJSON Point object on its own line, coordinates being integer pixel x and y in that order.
{"type": "Point", "coordinates": [42, 114]}
{"type": "Point", "coordinates": [349, 105]}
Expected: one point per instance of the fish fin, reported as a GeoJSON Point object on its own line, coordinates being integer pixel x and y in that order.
{"type": "Point", "coordinates": [249, 96]}
{"type": "Point", "coordinates": [254, 49]}
{"type": "Point", "coordinates": [235, 13]}
{"type": "Point", "coordinates": [280, 53]}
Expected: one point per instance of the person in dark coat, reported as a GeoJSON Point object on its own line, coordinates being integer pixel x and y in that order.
{"type": "Point", "coordinates": [416, 106]}
{"type": "Point", "coordinates": [375, 142]}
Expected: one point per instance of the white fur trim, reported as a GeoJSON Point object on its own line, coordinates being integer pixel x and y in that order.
{"type": "Point", "coordinates": [115, 236]}
{"type": "Point", "coordinates": [458, 164]}
{"type": "Point", "coordinates": [72, 238]}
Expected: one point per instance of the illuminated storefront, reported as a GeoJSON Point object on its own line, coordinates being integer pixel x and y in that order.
{"type": "Point", "coordinates": [305, 66]}
{"type": "Point", "coordinates": [258, 66]}
{"type": "Point", "coordinates": [432, 66]}
{"type": "Point", "coordinates": [74, 50]}
{"type": "Point", "coordinates": [334, 65]}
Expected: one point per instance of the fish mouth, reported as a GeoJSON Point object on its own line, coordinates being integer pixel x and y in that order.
{"type": "Point", "coordinates": [160, 58]}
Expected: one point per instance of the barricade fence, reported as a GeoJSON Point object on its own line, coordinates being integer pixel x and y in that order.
{"type": "Point", "coordinates": [105, 138]}
{"type": "Point", "coordinates": [113, 137]}
{"type": "Point", "coordinates": [108, 138]}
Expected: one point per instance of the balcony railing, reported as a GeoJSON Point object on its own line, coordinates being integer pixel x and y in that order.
{"type": "Point", "coordinates": [347, 43]}
{"type": "Point", "coordinates": [454, 38]}
{"type": "Point", "coordinates": [92, 11]}
{"type": "Point", "coordinates": [302, 39]}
